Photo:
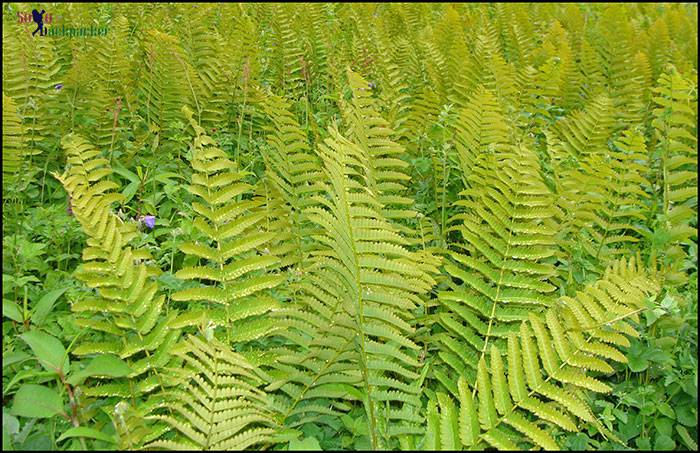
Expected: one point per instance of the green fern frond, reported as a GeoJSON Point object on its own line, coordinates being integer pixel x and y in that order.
{"type": "Point", "coordinates": [503, 265]}
{"type": "Point", "coordinates": [30, 71]}
{"type": "Point", "coordinates": [215, 401]}
{"type": "Point", "coordinates": [606, 193]}
{"type": "Point", "coordinates": [232, 243]}
{"type": "Point", "coordinates": [288, 55]}
{"type": "Point", "coordinates": [386, 175]}
{"type": "Point", "coordinates": [15, 141]}
{"type": "Point", "coordinates": [352, 325]}
{"type": "Point", "coordinates": [294, 170]}
{"type": "Point", "coordinates": [548, 361]}
{"type": "Point", "coordinates": [166, 81]}
{"type": "Point", "coordinates": [675, 120]}
{"type": "Point", "coordinates": [480, 128]}
{"type": "Point", "coordinates": [128, 307]}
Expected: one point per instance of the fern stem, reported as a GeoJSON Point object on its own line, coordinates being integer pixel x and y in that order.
{"type": "Point", "coordinates": [240, 122]}
{"type": "Point", "coordinates": [189, 83]}
{"type": "Point", "coordinates": [498, 291]}
{"type": "Point", "coordinates": [369, 404]}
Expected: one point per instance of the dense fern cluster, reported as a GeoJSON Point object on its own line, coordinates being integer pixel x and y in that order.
{"type": "Point", "coordinates": [444, 220]}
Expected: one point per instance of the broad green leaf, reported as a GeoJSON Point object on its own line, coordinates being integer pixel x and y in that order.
{"type": "Point", "coordinates": [48, 349]}
{"type": "Point", "coordinates": [107, 365]}
{"type": "Point", "coordinates": [664, 442]}
{"type": "Point", "coordinates": [37, 401]}
{"type": "Point", "coordinates": [10, 427]}
{"type": "Point", "coordinates": [45, 304]}
{"type": "Point", "coordinates": [638, 364]}
{"type": "Point", "coordinates": [83, 431]}
{"type": "Point", "coordinates": [306, 444]}
{"type": "Point", "coordinates": [13, 357]}
{"type": "Point", "coordinates": [667, 410]}
{"type": "Point", "coordinates": [11, 310]}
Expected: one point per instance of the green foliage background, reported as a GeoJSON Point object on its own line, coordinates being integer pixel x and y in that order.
{"type": "Point", "coordinates": [415, 226]}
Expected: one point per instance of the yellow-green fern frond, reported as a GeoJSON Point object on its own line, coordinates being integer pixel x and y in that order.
{"type": "Point", "coordinates": [537, 380]}
{"type": "Point", "coordinates": [15, 143]}
{"type": "Point", "coordinates": [502, 267]}
{"type": "Point", "coordinates": [291, 67]}
{"type": "Point", "coordinates": [232, 244]}
{"type": "Point", "coordinates": [128, 306]}
{"type": "Point", "coordinates": [293, 169]}
{"type": "Point", "coordinates": [30, 71]}
{"type": "Point", "coordinates": [605, 199]}
{"type": "Point", "coordinates": [675, 125]}
{"type": "Point", "coordinates": [166, 81]}
{"type": "Point", "coordinates": [352, 324]}
{"type": "Point", "coordinates": [215, 401]}
{"type": "Point", "coordinates": [480, 128]}
{"type": "Point", "coordinates": [386, 172]}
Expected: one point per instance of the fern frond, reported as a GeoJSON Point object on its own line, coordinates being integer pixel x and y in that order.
{"type": "Point", "coordinates": [549, 359]}
{"type": "Point", "coordinates": [675, 128]}
{"type": "Point", "coordinates": [30, 71]}
{"type": "Point", "coordinates": [503, 265]}
{"type": "Point", "coordinates": [386, 175]}
{"type": "Point", "coordinates": [293, 169]}
{"type": "Point", "coordinates": [215, 401]}
{"type": "Point", "coordinates": [480, 128]}
{"type": "Point", "coordinates": [352, 324]}
{"type": "Point", "coordinates": [127, 312]}
{"type": "Point", "coordinates": [166, 81]}
{"type": "Point", "coordinates": [15, 141]}
{"type": "Point", "coordinates": [232, 243]}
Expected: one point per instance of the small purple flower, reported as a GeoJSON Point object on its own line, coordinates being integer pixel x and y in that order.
{"type": "Point", "coordinates": [372, 85]}
{"type": "Point", "coordinates": [58, 86]}
{"type": "Point", "coordinates": [149, 221]}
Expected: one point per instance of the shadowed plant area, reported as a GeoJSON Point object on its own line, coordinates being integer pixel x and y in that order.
{"type": "Point", "coordinates": [349, 226]}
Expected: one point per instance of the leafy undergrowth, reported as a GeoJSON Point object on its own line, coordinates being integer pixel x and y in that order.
{"type": "Point", "coordinates": [350, 226]}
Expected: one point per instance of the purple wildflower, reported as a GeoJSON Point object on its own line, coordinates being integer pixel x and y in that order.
{"type": "Point", "coordinates": [372, 85]}
{"type": "Point", "coordinates": [58, 86]}
{"type": "Point", "coordinates": [149, 221]}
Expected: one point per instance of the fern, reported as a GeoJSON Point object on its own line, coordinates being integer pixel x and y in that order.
{"type": "Point", "coordinates": [546, 367]}
{"type": "Point", "coordinates": [676, 182]}
{"type": "Point", "coordinates": [403, 222]}
{"type": "Point", "coordinates": [100, 82]}
{"type": "Point", "coordinates": [480, 128]}
{"type": "Point", "coordinates": [352, 325]}
{"type": "Point", "coordinates": [289, 55]}
{"type": "Point", "coordinates": [386, 175]}
{"type": "Point", "coordinates": [215, 76]}
{"type": "Point", "coordinates": [30, 71]}
{"type": "Point", "coordinates": [215, 401]}
{"type": "Point", "coordinates": [503, 263]}
{"type": "Point", "coordinates": [15, 146]}
{"type": "Point", "coordinates": [294, 171]}
{"type": "Point", "coordinates": [231, 238]}
{"type": "Point", "coordinates": [166, 81]}
{"type": "Point", "coordinates": [127, 309]}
